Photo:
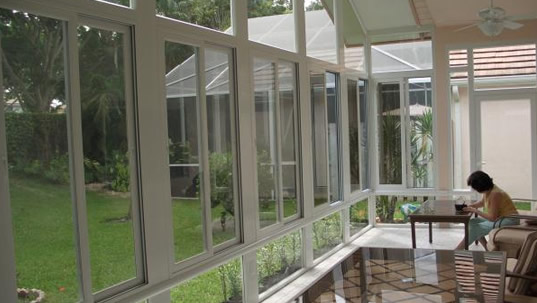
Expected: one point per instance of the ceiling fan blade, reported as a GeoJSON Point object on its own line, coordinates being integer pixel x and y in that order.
{"type": "Point", "coordinates": [511, 24]}
{"type": "Point", "coordinates": [466, 27]}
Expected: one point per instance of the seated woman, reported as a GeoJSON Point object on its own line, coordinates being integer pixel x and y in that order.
{"type": "Point", "coordinates": [497, 202]}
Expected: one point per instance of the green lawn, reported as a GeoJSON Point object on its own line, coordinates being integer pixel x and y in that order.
{"type": "Point", "coordinates": [44, 239]}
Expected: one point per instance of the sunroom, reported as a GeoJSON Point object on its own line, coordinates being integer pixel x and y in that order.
{"type": "Point", "coordinates": [233, 151]}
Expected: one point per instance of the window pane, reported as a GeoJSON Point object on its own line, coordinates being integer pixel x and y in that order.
{"type": "Point", "coordinates": [402, 56]}
{"type": "Point", "coordinates": [183, 147]}
{"type": "Point", "coordinates": [222, 157]}
{"type": "Point", "coordinates": [354, 137]}
{"type": "Point", "coordinates": [320, 32]}
{"type": "Point", "coordinates": [108, 163]}
{"type": "Point", "coordinates": [460, 121]}
{"type": "Point", "coordinates": [221, 284]}
{"type": "Point", "coordinates": [287, 94]}
{"type": "Point", "coordinates": [319, 140]}
{"type": "Point", "coordinates": [119, 2]}
{"type": "Point", "coordinates": [421, 132]}
{"type": "Point", "coordinates": [210, 14]}
{"type": "Point", "coordinates": [278, 260]}
{"type": "Point", "coordinates": [332, 104]}
{"type": "Point", "coordinates": [272, 22]}
{"type": "Point", "coordinates": [327, 234]}
{"type": "Point", "coordinates": [395, 209]}
{"type": "Point", "coordinates": [389, 134]}
{"type": "Point", "coordinates": [38, 160]}
{"type": "Point", "coordinates": [364, 129]}
{"type": "Point", "coordinates": [458, 58]}
{"type": "Point", "coordinates": [500, 67]}
{"type": "Point", "coordinates": [359, 216]}
{"type": "Point", "coordinates": [265, 117]}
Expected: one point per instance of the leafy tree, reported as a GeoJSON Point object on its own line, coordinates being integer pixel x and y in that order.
{"type": "Point", "coordinates": [421, 136]}
{"type": "Point", "coordinates": [32, 59]}
{"type": "Point", "coordinates": [260, 8]}
{"type": "Point", "coordinates": [315, 6]}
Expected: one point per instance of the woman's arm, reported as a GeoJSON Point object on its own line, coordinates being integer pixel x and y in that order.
{"type": "Point", "coordinates": [477, 204]}
{"type": "Point", "coordinates": [494, 207]}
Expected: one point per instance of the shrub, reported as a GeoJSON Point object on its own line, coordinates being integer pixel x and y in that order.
{"type": "Point", "coordinates": [118, 172]}
{"type": "Point", "coordinates": [58, 169]}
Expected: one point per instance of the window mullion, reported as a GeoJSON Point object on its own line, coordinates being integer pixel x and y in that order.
{"type": "Point", "coordinates": [407, 152]}
{"type": "Point", "coordinates": [74, 129]}
{"type": "Point", "coordinates": [204, 152]}
{"type": "Point", "coordinates": [278, 142]}
{"type": "Point", "coordinates": [131, 110]}
{"type": "Point", "coordinates": [327, 139]}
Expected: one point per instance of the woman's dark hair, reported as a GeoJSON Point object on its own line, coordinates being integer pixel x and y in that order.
{"type": "Point", "coordinates": [480, 181]}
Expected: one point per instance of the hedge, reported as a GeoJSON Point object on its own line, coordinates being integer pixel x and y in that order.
{"type": "Point", "coordinates": [35, 136]}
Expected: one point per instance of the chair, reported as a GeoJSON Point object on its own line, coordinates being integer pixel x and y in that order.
{"type": "Point", "coordinates": [520, 244]}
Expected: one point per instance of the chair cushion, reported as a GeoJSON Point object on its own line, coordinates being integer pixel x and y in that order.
{"type": "Point", "coordinates": [526, 265]}
{"type": "Point", "coordinates": [509, 239]}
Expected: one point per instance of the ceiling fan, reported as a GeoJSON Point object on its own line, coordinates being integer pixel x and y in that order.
{"type": "Point", "coordinates": [493, 21]}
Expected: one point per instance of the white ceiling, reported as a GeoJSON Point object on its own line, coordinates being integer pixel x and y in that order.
{"type": "Point", "coordinates": [392, 14]}
{"type": "Point", "coordinates": [460, 12]}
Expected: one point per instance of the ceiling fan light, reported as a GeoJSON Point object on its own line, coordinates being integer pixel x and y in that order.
{"type": "Point", "coordinates": [491, 28]}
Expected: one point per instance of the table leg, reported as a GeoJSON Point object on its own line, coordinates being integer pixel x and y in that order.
{"type": "Point", "coordinates": [430, 232]}
{"type": "Point", "coordinates": [413, 229]}
{"type": "Point", "coordinates": [466, 234]}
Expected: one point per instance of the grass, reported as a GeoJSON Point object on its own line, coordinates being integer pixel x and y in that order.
{"type": "Point", "coordinates": [44, 237]}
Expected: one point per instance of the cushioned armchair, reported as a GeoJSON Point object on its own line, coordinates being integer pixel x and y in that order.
{"type": "Point", "coordinates": [520, 244]}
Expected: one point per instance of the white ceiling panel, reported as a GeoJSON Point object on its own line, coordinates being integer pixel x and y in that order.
{"type": "Point", "coordinates": [383, 14]}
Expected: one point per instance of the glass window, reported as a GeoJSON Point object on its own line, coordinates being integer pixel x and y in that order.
{"type": "Point", "coordinates": [272, 22]}
{"type": "Point", "coordinates": [214, 14]}
{"type": "Point", "coordinates": [182, 95]}
{"type": "Point", "coordinates": [118, 2]}
{"type": "Point", "coordinates": [460, 122]}
{"type": "Point", "coordinates": [221, 284]}
{"type": "Point", "coordinates": [401, 56]}
{"type": "Point", "coordinates": [327, 234]}
{"type": "Point", "coordinates": [38, 157]}
{"type": "Point", "coordinates": [501, 67]}
{"type": "Point", "coordinates": [221, 136]}
{"type": "Point", "coordinates": [289, 138]}
{"type": "Point", "coordinates": [278, 260]}
{"type": "Point", "coordinates": [108, 139]}
{"type": "Point", "coordinates": [364, 132]}
{"type": "Point", "coordinates": [320, 31]}
{"type": "Point", "coordinates": [421, 132]}
{"type": "Point", "coordinates": [326, 143]}
{"type": "Point", "coordinates": [319, 140]}
{"type": "Point", "coordinates": [185, 143]}
{"type": "Point", "coordinates": [265, 117]}
{"type": "Point", "coordinates": [458, 58]}
{"type": "Point", "coordinates": [354, 135]}
{"type": "Point", "coordinates": [358, 216]}
{"type": "Point", "coordinates": [395, 209]}
{"type": "Point", "coordinates": [389, 133]}
{"type": "Point", "coordinates": [332, 100]}
{"type": "Point", "coordinates": [276, 140]}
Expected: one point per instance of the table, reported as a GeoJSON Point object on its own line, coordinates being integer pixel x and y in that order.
{"type": "Point", "coordinates": [439, 211]}
{"type": "Point", "coordinates": [412, 275]}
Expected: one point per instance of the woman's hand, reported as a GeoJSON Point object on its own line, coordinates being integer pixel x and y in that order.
{"type": "Point", "coordinates": [470, 209]}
